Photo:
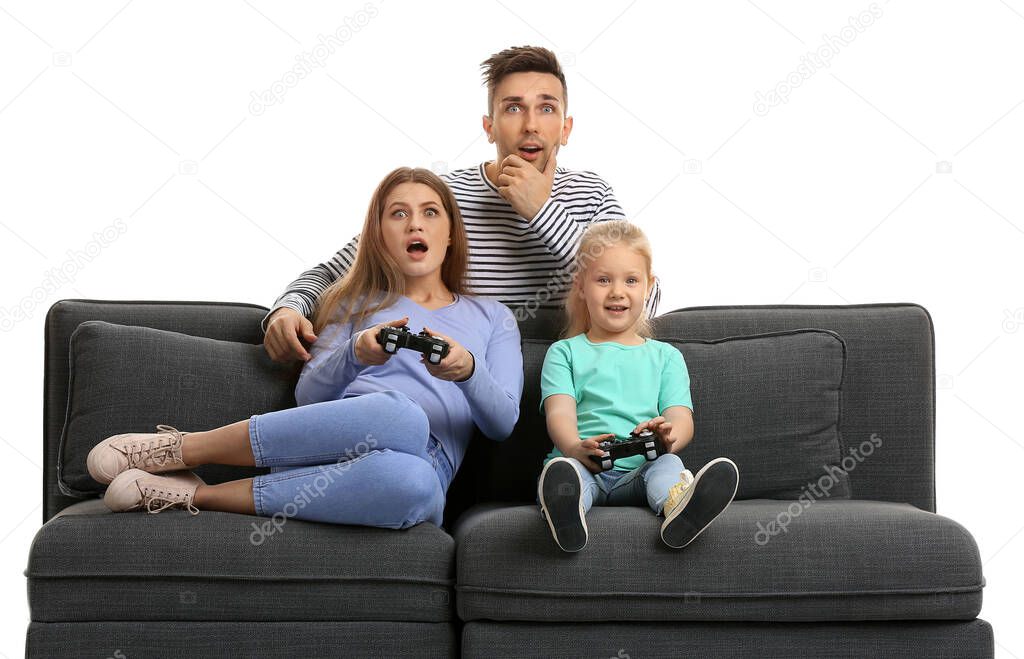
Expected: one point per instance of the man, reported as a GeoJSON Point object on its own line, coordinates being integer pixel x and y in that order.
{"type": "Point", "coordinates": [523, 215]}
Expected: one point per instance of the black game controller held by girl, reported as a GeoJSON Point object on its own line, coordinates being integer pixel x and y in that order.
{"type": "Point", "coordinates": [644, 442]}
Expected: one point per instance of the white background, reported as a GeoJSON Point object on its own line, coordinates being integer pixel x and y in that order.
{"type": "Point", "coordinates": [138, 116]}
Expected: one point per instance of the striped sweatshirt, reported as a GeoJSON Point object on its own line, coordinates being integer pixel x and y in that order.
{"type": "Point", "coordinates": [516, 261]}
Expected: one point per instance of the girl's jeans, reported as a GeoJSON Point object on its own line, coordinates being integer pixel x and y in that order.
{"type": "Point", "coordinates": [649, 483]}
{"type": "Point", "coordinates": [367, 460]}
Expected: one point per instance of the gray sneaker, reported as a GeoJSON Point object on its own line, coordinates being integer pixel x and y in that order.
{"type": "Point", "coordinates": [692, 506]}
{"type": "Point", "coordinates": [561, 501]}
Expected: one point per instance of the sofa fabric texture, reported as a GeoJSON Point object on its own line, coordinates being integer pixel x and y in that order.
{"type": "Point", "coordinates": [833, 547]}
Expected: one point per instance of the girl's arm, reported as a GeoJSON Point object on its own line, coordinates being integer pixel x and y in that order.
{"type": "Point", "coordinates": [674, 426]}
{"type": "Point", "coordinates": [560, 412]}
{"type": "Point", "coordinates": [681, 418]}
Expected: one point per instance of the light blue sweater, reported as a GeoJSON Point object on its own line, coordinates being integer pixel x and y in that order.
{"type": "Point", "coordinates": [489, 399]}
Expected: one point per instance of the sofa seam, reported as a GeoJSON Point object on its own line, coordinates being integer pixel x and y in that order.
{"type": "Point", "coordinates": [722, 595]}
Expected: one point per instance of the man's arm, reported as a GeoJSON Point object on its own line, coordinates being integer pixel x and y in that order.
{"type": "Point", "coordinates": [561, 228]}
{"type": "Point", "coordinates": [302, 294]}
{"type": "Point", "coordinates": [288, 322]}
{"type": "Point", "coordinates": [651, 306]}
{"type": "Point", "coordinates": [561, 232]}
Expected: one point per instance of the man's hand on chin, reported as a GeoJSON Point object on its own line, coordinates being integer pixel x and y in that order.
{"type": "Point", "coordinates": [523, 186]}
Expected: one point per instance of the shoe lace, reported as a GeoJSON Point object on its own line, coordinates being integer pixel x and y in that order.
{"type": "Point", "coordinates": [166, 499]}
{"type": "Point", "coordinates": [158, 450]}
{"type": "Point", "coordinates": [676, 492]}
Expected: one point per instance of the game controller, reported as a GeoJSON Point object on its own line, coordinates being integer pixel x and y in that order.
{"type": "Point", "coordinates": [644, 442]}
{"type": "Point", "coordinates": [393, 338]}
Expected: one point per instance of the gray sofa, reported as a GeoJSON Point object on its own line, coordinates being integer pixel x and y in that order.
{"type": "Point", "coordinates": [820, 555]}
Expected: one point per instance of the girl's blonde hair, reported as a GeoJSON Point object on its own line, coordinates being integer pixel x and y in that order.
{"type": "Point", "coordinates": [597, 238]}
{"type": "Point", "coordinates": [375, 281]}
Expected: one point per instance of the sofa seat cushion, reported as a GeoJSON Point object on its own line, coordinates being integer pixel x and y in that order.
{"type": "Point", "coordinates": [762, 560]}
{"type": "Point", "coordinates": [90, 565]}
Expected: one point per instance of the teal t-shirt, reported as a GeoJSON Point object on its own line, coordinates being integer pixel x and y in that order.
{"type": "Point", "coordinates": [615, 386]}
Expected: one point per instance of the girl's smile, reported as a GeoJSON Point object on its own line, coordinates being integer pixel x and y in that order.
{"type": "Point", "coordinates": [614, 286]}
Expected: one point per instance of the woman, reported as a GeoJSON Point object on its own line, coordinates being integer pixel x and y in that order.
{"type": "Point", "coordinates": [377, 437]}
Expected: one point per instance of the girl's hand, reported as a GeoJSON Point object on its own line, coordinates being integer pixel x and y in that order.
{"type": "Point", "coordinates": [368, 351]}
{"type": "Point", "coordinates": [588, 447]}
{"type": "Point", "coordinates": [457, 365]}
{"type": "Point", "coordinates": [661, 427]}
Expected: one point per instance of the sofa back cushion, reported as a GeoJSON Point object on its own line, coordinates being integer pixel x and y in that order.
{"type": "Point", "coordinates": [131, 379]}
{"type": "Point", "coordinates": [770, 402]}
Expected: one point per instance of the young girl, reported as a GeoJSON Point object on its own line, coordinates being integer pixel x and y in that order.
{"type": "Point", "coordinates": [377, 437]}
{"type": "Point", "coordinates": [609, 379]}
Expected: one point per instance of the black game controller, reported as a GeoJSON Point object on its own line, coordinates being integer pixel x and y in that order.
{"type": "Point", "coordinates": [644, 442]}
{"type": "Point", "coordinates": [393, 338]}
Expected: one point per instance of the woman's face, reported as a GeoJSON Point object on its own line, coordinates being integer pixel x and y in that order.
{"type": "Point", "coordinates": [416, 229]}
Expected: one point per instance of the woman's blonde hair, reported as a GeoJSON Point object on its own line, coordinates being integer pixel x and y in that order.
{"type": "Point", "coordinates": [599, 237]}
{"type": "Point", "coordinates": [375, 281]}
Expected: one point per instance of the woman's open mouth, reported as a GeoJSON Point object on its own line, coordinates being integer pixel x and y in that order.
{"type": "Point", "coordinates": [417, 250]}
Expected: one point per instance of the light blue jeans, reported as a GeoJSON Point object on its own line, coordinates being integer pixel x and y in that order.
{"type": "Point", "coordinates": [649, 483]}
{"type": "Point", "coordinates": [368, 460]}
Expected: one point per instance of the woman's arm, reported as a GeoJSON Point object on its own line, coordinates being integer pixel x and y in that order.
{"type": "Point", "coordinates": [495, 387]}
{"type": "Point", "coordinates": [332, 367]}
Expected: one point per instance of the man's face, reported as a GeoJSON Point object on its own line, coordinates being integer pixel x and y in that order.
{"type": "Point", "coordinates": [528, 118]}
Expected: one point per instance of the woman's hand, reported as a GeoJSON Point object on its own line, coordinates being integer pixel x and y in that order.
{"type": "Point", "coordinates": [368, 351]}
{"type": "Point", "coordinates": [457, 365]}
{"type": "Point", "coordinates": [583, 449]}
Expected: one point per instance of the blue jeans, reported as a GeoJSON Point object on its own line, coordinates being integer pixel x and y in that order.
{"type": "Point", "coordinates": [367, 460]}
{"type": "Point", "coordinates": [649, 483]}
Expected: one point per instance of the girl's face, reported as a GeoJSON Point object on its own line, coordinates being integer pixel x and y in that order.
{"type": "Point", "coordinates": [614, 286]}
{"type": "Point", "coordinates": [416, 229]}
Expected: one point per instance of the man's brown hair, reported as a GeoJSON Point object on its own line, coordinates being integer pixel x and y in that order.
{"type": "Point", "coordinates": [520, 59]}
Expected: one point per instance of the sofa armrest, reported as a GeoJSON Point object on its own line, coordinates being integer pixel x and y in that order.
{"type": "Point", "coordinates": [216, 320]}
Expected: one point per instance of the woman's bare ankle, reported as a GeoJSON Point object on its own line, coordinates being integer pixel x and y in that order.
{"type": "Point", "coordinates": [191, 449]}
